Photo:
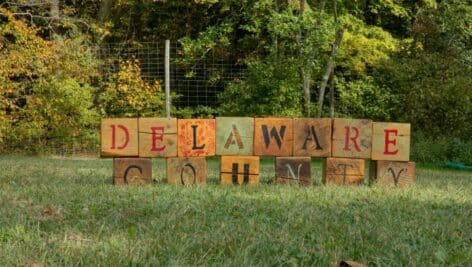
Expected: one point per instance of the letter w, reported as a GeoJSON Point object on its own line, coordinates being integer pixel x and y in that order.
{"type": "Point", "coordinates": [273, 134]}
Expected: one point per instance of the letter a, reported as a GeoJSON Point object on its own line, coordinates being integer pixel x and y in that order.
{"type": "Point", "coordinates": [311, 132]}
{"type": "Point", "coordinates": [234, 135]}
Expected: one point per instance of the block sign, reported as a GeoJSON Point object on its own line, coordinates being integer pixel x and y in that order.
{"type": "Point", "coordinates": [132, 171]}
{"type": "Point", "coordinates": [343, 171]}
{"type": "Point", "coordinates": [196, 137]}
{"type": "Point", "coordinates": [157, 137]}
{"type": "Point", "coordinates": [273, 137]}
{"type": "Point", "coordinates": [312, 137]}
{"type": "Point", "coordinates": [391, 141]}
{"type": "Point", "coordinates": [119, 138]}
{"type": "Point", "coordinates": [293, 170]}
{"type": "Point", "coordinates": [186, 171]}
{"type": "Point", "coordinates": [239, 170]}
{"type": "Point", "coordinates": [352, 138]}
{"type": "Point", "coordinates": [393, 173]}
{"type": "Point", "coordinates": [234, 136]}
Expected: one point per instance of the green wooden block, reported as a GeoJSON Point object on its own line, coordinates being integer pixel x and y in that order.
{"type": "Point", "coordinates": [234, 135]}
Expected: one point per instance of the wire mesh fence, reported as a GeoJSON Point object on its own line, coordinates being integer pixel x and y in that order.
{"type": "Point", "coordinates": [196, 82]}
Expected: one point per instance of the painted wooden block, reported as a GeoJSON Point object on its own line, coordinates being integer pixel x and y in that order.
{"type": "Point", "coordinates": [393, 173]}
{"type": "Point", "coordinates": [157, 137]}
{"type": "Point", "coordinates": [186, 171]}
{"type": "Point", "coordinates": [352, 138]}
{"type": "Point", "coordinates": [119, 137]}
{"type": "Point", "coordinates": [312, 137]}
{"type": "Point", "coordinates": [132, 171]}
{"type": "Point", "coordinates": [239, 170]}
{"type": "Point", "coordinates": [234, 136]}
{"type": "Point", "coordinates": [196, 137]}
{"type": "Point", "coordinates": [343, 171]}
{"type": "Point", "coordinates": [293, 170]}
{"type": "Point", "coordinates": [391, 141]}
{"type": "Point", "coordinates": [273, 137]}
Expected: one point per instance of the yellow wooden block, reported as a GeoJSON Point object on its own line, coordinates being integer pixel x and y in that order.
{"type": "Point", "coordinates": [157, 137]}
{"type": "Point", "coordinates": [391, 141]}
{"type": "Point", "coordinates": [352, 138]}
{"type": "Point", "coordinates": [119, 137]}
{"type": "Point", "coordinates": [239, 170]}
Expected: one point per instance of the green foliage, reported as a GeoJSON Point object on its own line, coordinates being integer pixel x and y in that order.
{"type": "Point", "coordinates": [269, 89]}
{"type": "Point", "coordinates": [440, 149]}
{"type": "Point", "coordinates": [128, 95]}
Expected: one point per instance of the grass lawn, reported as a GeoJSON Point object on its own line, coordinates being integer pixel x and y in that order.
{"type": "Point", "coordinates": [63, 211]}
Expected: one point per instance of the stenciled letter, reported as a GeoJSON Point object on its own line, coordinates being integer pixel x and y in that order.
{"type": "Point", "coordinates": [113, 136]}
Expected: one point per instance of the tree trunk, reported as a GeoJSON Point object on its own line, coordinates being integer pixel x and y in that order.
{"type": "Point", "coordinates": [105, 10]}
{"type": "Point", "coordinates": [328, 69]}
{"type": "Point", "coordinates": [331, 94]}
{"type": "Point", "coordinates": [54, 8]}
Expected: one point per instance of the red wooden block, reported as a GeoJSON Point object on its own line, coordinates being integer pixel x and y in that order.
{"type": "Point", "coordinates": [196, 137]}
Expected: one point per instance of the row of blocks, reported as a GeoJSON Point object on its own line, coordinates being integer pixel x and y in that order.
{"type": "Point", "coordinates": [239, 170]}
{"type": "Point", "coordinates": [242, 136]}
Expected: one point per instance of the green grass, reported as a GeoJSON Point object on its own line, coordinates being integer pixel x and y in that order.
{"type": "Point", "coordinates": [67, 212]}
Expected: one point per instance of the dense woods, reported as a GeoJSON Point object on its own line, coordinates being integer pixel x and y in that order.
{"type": "Point", "coordinates": [386, 60]}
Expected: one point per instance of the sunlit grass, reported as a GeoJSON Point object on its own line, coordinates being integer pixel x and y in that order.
{"type": "Point", "coordinates": [67, 212]}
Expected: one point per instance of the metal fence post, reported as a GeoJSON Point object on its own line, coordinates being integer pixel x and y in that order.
{"type": "Point", "coordinates": [167, 77]}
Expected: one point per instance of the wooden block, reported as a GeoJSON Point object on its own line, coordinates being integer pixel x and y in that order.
{"type": "Point", "coordinates": [234, 136]}
{"type": "Point", "coordinates": [273, 137]}
{"type": "Point", "coordinates": [239, 170]}
{"type": "Point", "coordinates": [312, 137]}
{"type": "Point", "coordinates": [352, 138]}
{"type": "Point", "coordinates": [293, 170]}
{"type": "Point", "coordinates": [393, 173]}
{"type": "Point", "coordinates": [186, 171]}
{"type": "Point", "coordinates": [196, 137]}
{"type": "Point", "coordinates": [391, 141]}
{"type": "Point", "coordinates": [119, 138]}
{"type": "Point", "coordinates": [343, 171]}
{"type": "Point", "coordinates": [132, 171]}
{"type": "Point", "coordinates": [157, 137]}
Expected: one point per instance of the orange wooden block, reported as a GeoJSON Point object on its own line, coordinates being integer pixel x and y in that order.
{"type": "Point", "coordinates": [393, 173]}
{"type": "Point", "coordinates": [119, 137]}
{"type": "Point", "coordinates": [186, 171]}
{"type": "Point", "coordinates": [196, 137]}
{"type": "Point", "coordinates": [157, 137]}
{"type": "Point", "coordinates": [239, 170]}
{"type": "Point", "coordinates": [293, 170]}
{"type": "Point", "coordinates": [343, 171]}
{"type": "Point", "coordinates": [312, 137]}
{"type": "Point", "coordinates": [132, 171]}
{"type": "Point", "coordinates": [352, 138]}
{"type": "Point", "coordinates": [273, 137]}
{"type": "Point", "coordinates": [391, 141]}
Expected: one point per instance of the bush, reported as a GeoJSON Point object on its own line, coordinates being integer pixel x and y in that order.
{"type": "Point", "coordinates": [441, 149]}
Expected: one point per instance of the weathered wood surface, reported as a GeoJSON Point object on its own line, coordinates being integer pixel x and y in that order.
{"type": "Point", "coordinates": [293, 170]}
{"type": "Point", "coordinates": [391, 141]}
{"type": "Point", "coordinates": [393, 173]}
{"type": "Point", "coordinates": [119, 137]}
{"type": "Point", "coordinates": [186, 171]}
{"type": "Point", "coordinates": [239, 170]}
{"type": "Point", "coordinates": [273, 137]}
{"type": "Point", "coordinates": [352, 138]}
{"type": "Point", "coordinates": [132, 171]}
{"type": "Point", "coordinates": [312, 137]}
{"type": "Point", "coordinates": [343, 171]}
{"type": "Point", "coordinates": [234, 135]}
{"type": "Point", "coordinates": [196, 137]}
{"type": "Point", "coordinates": [157, 137]}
